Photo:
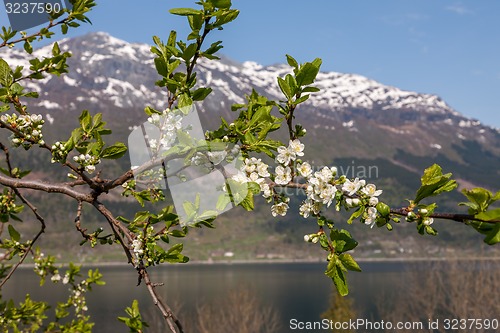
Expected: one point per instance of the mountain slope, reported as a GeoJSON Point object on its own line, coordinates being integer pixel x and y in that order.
{"type": "Point", "coordinates": [368, 129]}
{"type": "Point", "coordinates": [361, 118]}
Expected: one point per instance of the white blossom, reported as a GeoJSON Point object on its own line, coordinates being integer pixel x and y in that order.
{"type": "Point", "coordinates": [306, 208]}
{"type": "Point", "coordinates": [262, 170]}
{"type": "Point", "coordinates": [285, 155]}
{"type": "Point", "coordinates": [351, 187]}
{"type": "Point", "coordinates": [327, 193]}
{"type": "Point", "coordinates": [90, 168]}
{"type": "Point", "coordinates": [352, 202]}
{"type": "Point", "coordinates": [279, 209]}
{"type": "Point", "coordinates": [296, 147]}
{"type": "Point", "coordinates": [428, 221]}
{"type": "Point", "coordinates": [217, 157]}
{"type": "Point", "coordinates": [283, 175]}
{"type": "Point", "coordinates": [240, 177]}
{"type": "Point", "coordinates": [371, 190]}
{"type": "Point", "coordinates": [137, 247]}
{"type": "Point", "coordinates": [371, 216]}
{"type": "Point", "coordinates": [305, 169]}
{"type": "Point", "coordinates": [266, 190]}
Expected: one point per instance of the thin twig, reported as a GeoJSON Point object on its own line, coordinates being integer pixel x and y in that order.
{"type": "Point", "coordinates": [32, 208]}
{"type": "Point", "coordinates": [167, 313]}
{"type": "Point", "coordinates": [463, 218]}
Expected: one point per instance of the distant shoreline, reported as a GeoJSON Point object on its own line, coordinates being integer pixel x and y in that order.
{"type": "Point", "coordinates": [283, 261]}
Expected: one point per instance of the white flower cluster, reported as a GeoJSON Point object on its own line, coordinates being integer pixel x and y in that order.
{"type": "Point", "coordinates": [280, 208]}
{"type": "Point", "coordinates": [211, 158]}
{"type": "Point", "coordinates": [78, 297]}
{"type": "Point", "coordinates": [322, 189]}
{"type": "Point", "coordinates": [168, 124]}
{"type": "Point", "coordinates": [254, 170]}
{"type": "Point", "coordinates": [57, 277]}
{"type": "Point", "coordinates": [29, 126]}
{"type": "Point", "coordinates": [87, 161]}
{"type": "Point", "coordinates": [421, 217]}
{"type": "Point", "coordinates": [137, 247]}
{"type": "Point", "coordinates": [283, 172]}
{"type": "Point", "coordinates": [59, 152]}
{"type": "Point", "coordinates": [288, 154]}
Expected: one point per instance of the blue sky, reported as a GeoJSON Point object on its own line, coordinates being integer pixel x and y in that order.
{"type": "Point", "coordinates": [446, 47]}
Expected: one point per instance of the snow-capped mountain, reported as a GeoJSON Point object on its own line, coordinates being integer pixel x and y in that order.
{"type": "Point", "coordinates": [359, 116]}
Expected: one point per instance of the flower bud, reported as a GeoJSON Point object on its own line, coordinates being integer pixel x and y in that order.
{"type": "Point", "coordinates": [411, 217]}
{"type": "Point", "coordinates": [383, 209]}
{"type": "Point", "coordinates": [428, 221]}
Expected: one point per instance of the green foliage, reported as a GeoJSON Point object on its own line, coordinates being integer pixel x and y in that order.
{"type": "Point", "coordinates": [479, 204]}
{"type": "Point", "coordinates": [152, 236]}
{"type": "Point", "coordinates": [134, 320]}
{"type": "Point", "coordinates": [434, 183]}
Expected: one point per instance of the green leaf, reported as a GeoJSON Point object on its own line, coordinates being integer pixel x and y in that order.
{"type": "Point", "coordinates": [201, 93]}
{"type": "Point", "coordinates": [285, 88]}
{"type": "Point", "coordinates": [490, 215]}
{"type": "Point", "coordinates": [14, 234]}
{"type": "Point", "coordinates": [189, 208]}
{"type": "Point", "coordinates": [493, 236]}
{"type": "Point", "coordinates": [307, 73]}
{"type": "Point", "coordinates": [177, 248]}
{"type": "Point", "coordinates": [225, 17]}
{"type": "Point", "coordinates": [291, 61]}
{"type": "Point", "coordinates": [184, 101]}
{"type": "Point", "coordinates": [115, 151]}
{"type": "Point", "coordinates": [85, 120]}
{"type": "Point", "coordinates": [55, 49]}
{"type": "Point", "coordinates": [189, 52]}
{"type": "Point", "coordinates": [207, 215]}
{"type": "Point", "coordinates": [28, 47]}
{"type": "Point", "coordinates": [349, 262]}
{"type": "Point", "coordinates": [248, 203]}
{"type": "Point", "coordinates": [342, 240]}
{"type": "Point", "coordinates": [356, 214]}
{"type": "Point", "coordinates": [430, 230]}
{"type": "Point", "coordinates": [310, 89]}
{"type": "Point", "coordinates": [338, 276]}
{"type": "Point", "coordinates": [222, 3]}
{"type": "Point", "coordinates": [184, 11]}
{"type": "Point", "coordinates": [195, 22]}
{"type": "Point", "coordinates": [177, 233]}
{"type": "Point", "coordinates": [223, 201]}
{"type": "Point", "coordinates": [479, 198]}
{"type": "Point", "coordinates": [301, 99]}
{"type": "Point", "coordinates": [434, 182]}
{"type": "Point", "coordinates": [5, 73]}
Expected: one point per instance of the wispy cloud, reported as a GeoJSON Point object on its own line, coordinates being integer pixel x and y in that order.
{"type": "Point", "coordinates": [458, 8]}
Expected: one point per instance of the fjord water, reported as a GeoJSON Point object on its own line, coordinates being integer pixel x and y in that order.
{"type": "Point", "coordinates": [294, 290]}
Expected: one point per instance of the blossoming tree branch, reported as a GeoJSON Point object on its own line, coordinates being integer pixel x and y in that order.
{"type": "Point", "coordinates": [261, 166]}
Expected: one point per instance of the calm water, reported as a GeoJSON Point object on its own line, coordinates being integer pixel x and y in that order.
{"type": "Point", "coordinates": [295, 290]}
